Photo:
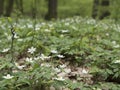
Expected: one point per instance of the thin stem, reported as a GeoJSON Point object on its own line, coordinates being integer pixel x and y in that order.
{"type": "Point", "coordinates": [12, 40]}
{"type": "Point", "coordinates": [12, 43]}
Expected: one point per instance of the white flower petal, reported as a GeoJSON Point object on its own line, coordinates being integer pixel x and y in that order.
{"type": "Point", "coordinates": [31, 50]}
{"type": "Point", "coordinates": [62, 66]}
{"type": "Point", "coordinates": [29, 60]}
{"type": "Point", "coordinates": [54, 51]}
{"type": "Point", "coordinates": [84, 71]}
{"type": "Point", "coordinates": [60, 56]}
{"type": "Point", "coordinates": [117, 61]}
{"type": "Point", "coordinates": [6, 50]}
{"type": "Point", "coordinates": [59, 79]}
{"type": "Point", "coordinates": [8, 76]}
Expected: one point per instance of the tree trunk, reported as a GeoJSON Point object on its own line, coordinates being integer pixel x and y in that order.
{"type": "Point", "coordinates": [97, 13]}
{"type": "Point", "coordinates": [95, 8]}
{"type": "Point", "coordinates": [9, 7]}
{"type": "Point", "coordinates": [34, 9]}
{"type": "Point", "coordinates": [105, 3]}
{"type": "Point", "coordinates": [1, 7]}
{"type": "Point", "coordinates": [19, 4]}
{"type": "Point", "coordinates": [52, 10]}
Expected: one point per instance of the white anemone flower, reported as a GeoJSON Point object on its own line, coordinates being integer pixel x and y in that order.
{"type": "Point", "coordinates": [57, 70]}
{"type": "Point", "coordinates": [116, 46]}
{"type": "Point", "coordinates": [36, 58]}
{"type": "Point", "coordinates": [67, 24]}
{"type": "Point", "coordinates": [50, 25]}
{"type": "Point", "coordinates": [47, 30]}
{"type": "Point", "coordinates": [62, 66]}
{"type": "Point", "coordinates": [31, 50]}
{"type": "Point", "coordinates": [114, 42]}
{"type": "Point", "coordinates": [30, 25]}
{"type": "Point", "coordinates": [117, 61]}
{"type": "Point", "coordinates": [107, 34]}
{"type": "Point", "coordinates": [84, 71]}
{"type": "Point", "coordinates": [59, 79]}
{"type": "Point", "coordinates": [30, 60]}
{"type": "Point", "coordinates": [8, 76]}
{"type": "Point", "coordinates": [43, 57]}
{"type": "Point", "coordinates": [20, 40]}
{"type": "Point", "coordinates": [61, 35]}
{"type": "Point", "coordinates": [54, 51]}
{"type": "Point", "coordinates": [19, 66]}
{"type": "Point", "coordinates": [65, 31]}
{"type": "Point", "coordinates": [16, 36]}
{"type": "Point", "coordinates": [60, 56]}
{"type": "Point", "coordinates": [6, 34]}
{"type": "Point", "coordinates": [45, 64]}
{"type": "Point", "coordinates": [6, 50]}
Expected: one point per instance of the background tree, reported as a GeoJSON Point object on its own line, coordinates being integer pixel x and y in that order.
{"type": "Point", "coordinates": [115, 9]}
{"type": "Point", "coordinates": [34, 8]}
{"type": "Point", "coordinates": [100, 9]}
{"type": "Point", "coordinates": [95, 8]}
{"type": "Point", "coordinates": [1, 7]}
{"type": "Point", "coordinates": [19, 5]}
{"type": "Point", "coordinates": [9, 8]}
{"type": "Point", "coordinates": [52, 10]}
{"type": "Point", "coordinates": [105, 9]}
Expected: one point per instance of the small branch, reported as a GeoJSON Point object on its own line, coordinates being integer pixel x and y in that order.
{"type": "Point", "coordinates": [12, 43]}
{"type": "Point", "coordinates": [12, 39]}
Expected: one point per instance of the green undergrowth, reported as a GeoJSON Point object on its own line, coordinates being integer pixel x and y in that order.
{"type": "Point", "coordinates": [31, 50]}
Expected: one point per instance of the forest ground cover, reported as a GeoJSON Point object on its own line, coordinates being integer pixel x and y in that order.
{"type": "Point", "coordinates": [69, 53]}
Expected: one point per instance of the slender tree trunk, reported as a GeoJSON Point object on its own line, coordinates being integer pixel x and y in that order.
{"type": "Point", "coordinates": [52, 10]}
{"type": "Point", "coordinates": [95, 8]}
{"type": "Point", "coordinates": [1, 7]}
{"type": "Point", "coordinates": [19, 4]}
{"type": "Point", "coordinates": [105, 3]}
{"type": "Point", "coordinates": [34, 9]}
{"type": "Point", "coordinates": [96, 13]}
{"type": "Point", "coordinates": [9, 7]}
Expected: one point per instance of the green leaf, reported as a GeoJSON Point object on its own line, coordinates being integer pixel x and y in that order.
{"type": "Point", "coordinates": [30, 33]}
{"type": "Point", "coordinates": [109, 71]}
{"type": "Point", "coordinates": [116, 75]}
{"type": "Point", "coordinates": [9, 19]}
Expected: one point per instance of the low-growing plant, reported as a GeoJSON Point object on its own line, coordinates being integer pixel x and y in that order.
{"type": "Point", "coordinates": [38, 49]}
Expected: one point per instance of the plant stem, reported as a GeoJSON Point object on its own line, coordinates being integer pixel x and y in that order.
{"type": "Point", "coordinates": [12, 44]}
{"type": "Point", "coordinates": [12, 39]}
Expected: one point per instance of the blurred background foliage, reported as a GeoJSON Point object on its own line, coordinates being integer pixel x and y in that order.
{"type": "Point", "coordinates": [64, 8]}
